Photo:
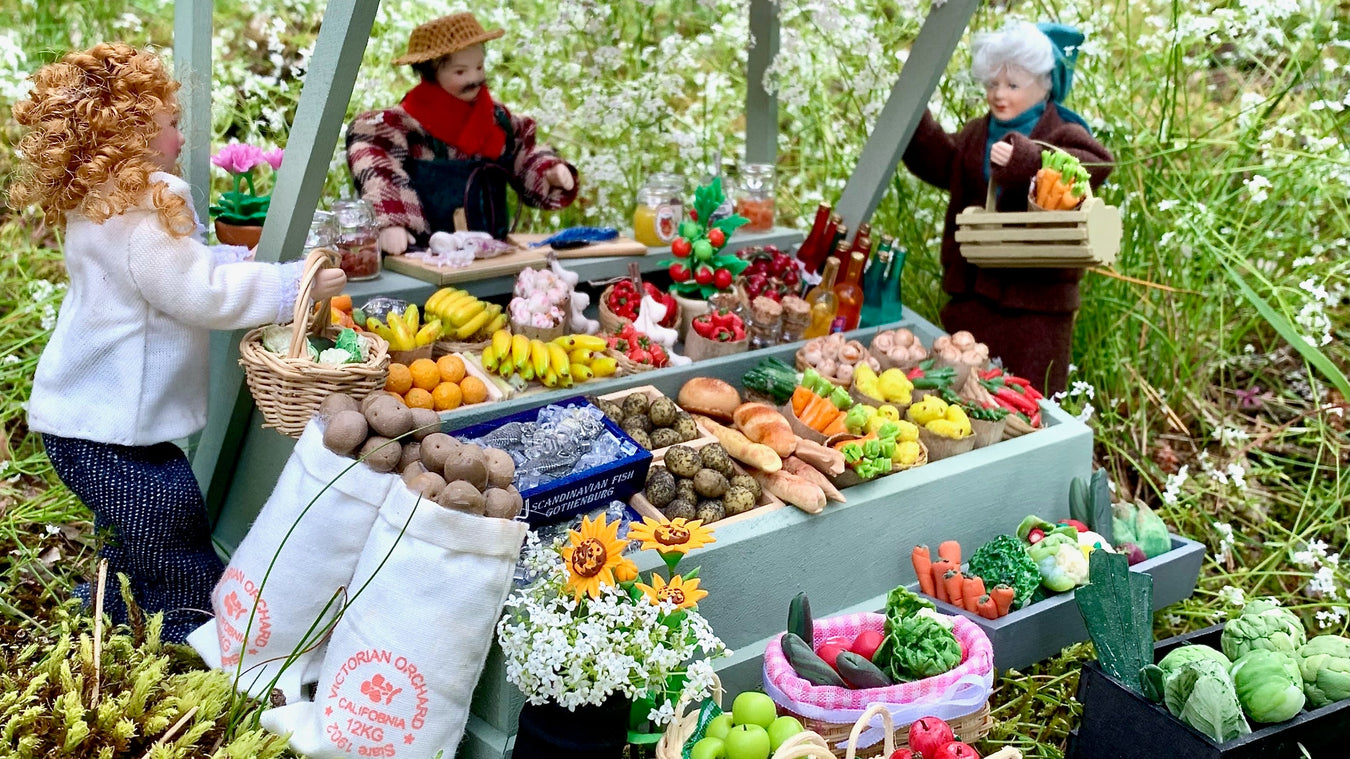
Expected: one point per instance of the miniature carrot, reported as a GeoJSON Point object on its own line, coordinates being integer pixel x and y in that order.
{"type": "Point", "coordinates": [923, 568]}
{"type": "Point", "coordinates": [1057, 192]}
{"type": "Point", "coordinates": [1069, 200]}
{"type": "Point", "coordinates": [939, 570]}
{"type": "Point", "coordinates": [1003, 598]}
{"type": "Point", "coordinates": [951, 551]}
{"type": "Point", "coordinates": [800, 396]}
{"type": "Point", "coordinates": [836, 427]}
{"type": "Point", "coordinates": [818, 413]}
{"type": "Point", "coordinates": [971, 592]}
{"type": "Point", "coordinates": [954, 581]}
{"type": "Point", "coordinates": [1045, 179]}
{"type": "Point", "coordinates": [986, 607]}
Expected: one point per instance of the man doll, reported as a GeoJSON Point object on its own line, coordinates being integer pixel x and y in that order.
{"type": "Point", "coordinates": [447, 148]}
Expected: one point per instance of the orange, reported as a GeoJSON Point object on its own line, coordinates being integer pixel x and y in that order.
{"type": "Point", "coordinates": [400, 379]}
{"type": "Point", "coordinates": [446, 396]}
{"type": "Point", "coordinates": [452, 368]}
{"type": "Point", "coordinates": [419, 398]}
{"type": "Point", "coordinates": [425, 374]}
{"type": "Point", "coordinates": [473, 389]}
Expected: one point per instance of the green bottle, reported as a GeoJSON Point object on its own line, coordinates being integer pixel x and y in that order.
{"type": "Point", "coordinates": [891, 298]}
{"type": "Point", "coordinates": [875, 287]}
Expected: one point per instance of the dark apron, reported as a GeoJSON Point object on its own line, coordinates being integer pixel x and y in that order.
{"type": "Point", "coordinates": [478, 185]}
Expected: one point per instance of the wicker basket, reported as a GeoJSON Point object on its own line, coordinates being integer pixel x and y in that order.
{"type": "Point", "coordinates": [685, 723]}
{"type": "Point", "coordinates": [611, 322]}
{"type": "Point", "coordinates": [446, 347]}
{"type": "Point", "coordinates": [968, 728]}
{"type": "Point", "coordinates": [288, 389]}
{"type": "Point", "coordinates": [625, 365]}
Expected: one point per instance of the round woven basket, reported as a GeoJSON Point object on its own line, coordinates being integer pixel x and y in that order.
{"type": "Point", "coordinates": [968, 729]}
{"type": "Point", "coordinates": [611, 322]}
{"type": "Point", "coordinates": [625, 365]}
{"type": "Point", "coordinates": [923, 459]}
{"type": "Point", "coordinates": [446, 347]}
{"type": "Point", "coordinates": [685, 723]}
{"type": "Point", "coordinates": [288, 389]}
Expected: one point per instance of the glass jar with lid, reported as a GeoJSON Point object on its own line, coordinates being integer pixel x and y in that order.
{"type": "Point", "coordinates": [357, 239]}
{"type": "Point", "coordinates": [755, 198]}
{"type": "Point", "coordinates": [660, 209]}
{"type": "Point", "coordinates": [322, 232]}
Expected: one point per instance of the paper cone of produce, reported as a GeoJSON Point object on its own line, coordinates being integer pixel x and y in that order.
{"type": "Point", "coordinates": [940, 447]}
{"type": "Point", "coordinates": [987, 432]}
{"type": "Point", "coordinates": [800, 429]}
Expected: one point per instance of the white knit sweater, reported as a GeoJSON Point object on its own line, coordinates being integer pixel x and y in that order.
{"type": "Point", "coordinates": [129, 360]}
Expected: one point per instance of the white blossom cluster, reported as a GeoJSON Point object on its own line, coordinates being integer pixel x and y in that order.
{"type": "Point", "coordinates": [1317, 556]}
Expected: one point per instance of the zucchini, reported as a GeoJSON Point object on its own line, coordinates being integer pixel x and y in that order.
{"type": "Point", "coordinates": [860, 673]}
{"type": "Point", "coordinates": [772, 378]}
{"type": "Point", "coordinates": [807, 664]}
{"type": "Point", "coordinates": [799, 618]}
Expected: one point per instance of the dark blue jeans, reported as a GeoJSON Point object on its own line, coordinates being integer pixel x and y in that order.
{"type": "Point", "coordinates": [149, 510]}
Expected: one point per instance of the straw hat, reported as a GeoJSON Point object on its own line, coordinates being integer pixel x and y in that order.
{"type": "Point", "coordinates": [439, 38]}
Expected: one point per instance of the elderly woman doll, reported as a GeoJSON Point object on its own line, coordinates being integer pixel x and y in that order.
{"type": "Point", "coordinates": [1024, 315]}
{"type": "Point", "coordinates": [125, 372]}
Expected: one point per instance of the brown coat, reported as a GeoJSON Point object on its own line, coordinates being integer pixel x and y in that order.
{"type": "Point", "coordinates": [955, 162]}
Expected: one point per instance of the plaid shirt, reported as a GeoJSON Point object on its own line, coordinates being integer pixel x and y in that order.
{"type": "Point", "coordinates": [381, 144]}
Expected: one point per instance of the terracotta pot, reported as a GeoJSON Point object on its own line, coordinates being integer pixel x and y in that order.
{"type": "Point", "coordinates": [235, 234]}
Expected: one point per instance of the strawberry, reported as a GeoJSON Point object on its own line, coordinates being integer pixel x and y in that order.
{"type": "Point", "coordinates": [640, 356]}
{"type": "Point", "coordinates": [659, 357]}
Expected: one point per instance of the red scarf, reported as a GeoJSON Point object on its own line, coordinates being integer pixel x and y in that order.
{"type": "Point", "coordinates": [469, 127]}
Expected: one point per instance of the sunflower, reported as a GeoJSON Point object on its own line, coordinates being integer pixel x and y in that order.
{"type": "Point", "coordinates": [681, 592]}
{"type": "Point", "coordinates": [626, 570]}
{"type": "Point", "coordinates": [679, 535]}
{"type": "Point", "coordinates": [591, 554]}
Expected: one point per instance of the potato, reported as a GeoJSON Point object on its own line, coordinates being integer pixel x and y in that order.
{"type": "Point", "coordinates": [389, 417]}
{"type": "Point", "coordinates": [502, 504]}
{"type": "Point", "coordinates": [381, 453]}
{"type": "Point", "coordinates": [461, 496]}
{"type": "Point", "coordinates": [336, 402]}
{"type": "Point", "coordinates": [375, 396]}
{"type": "Point", "coordinates": [425, 422]}
{"type": "Point", "coordinates": [467, 463]}
{"type": "Point", "coordinates": [411, 471]}
{"type": "Point", "coordinates": [411, 452]}
{"type": "Point", "coordinates": [501, 467]}
{"type": "Point", "coordinates": [429, 484]}
{"type": "Point", "coordinates": [435, 447]}
{"type": "Point", "coordinates": [345, 432]}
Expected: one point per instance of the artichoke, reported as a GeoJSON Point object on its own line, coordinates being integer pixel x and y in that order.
{"type": "Point", "coordinates": [1183, 655]}
{"type": "Point", "coordinates": [1269, 685]}
{"type": "Point", "coordinates": [1263, 626]}
{"type": "Point", "coordinates": [1202, 695]}
{"type": "Point", "coordinates": [1324, 663]}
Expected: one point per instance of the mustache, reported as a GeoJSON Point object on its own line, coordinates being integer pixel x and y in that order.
{"type": "Point", "coordinates": [473, 85]}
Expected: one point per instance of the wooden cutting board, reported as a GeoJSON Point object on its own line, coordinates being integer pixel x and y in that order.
{"type": "Point", "coordinates": [619, 246]}
{"type": "Point", "coordinates": [523, 257]}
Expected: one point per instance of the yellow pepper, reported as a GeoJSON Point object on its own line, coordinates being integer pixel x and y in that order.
{"type": "Point", "coordinates": [927, 410]}
{"type": "Point", "coordinates": [906, 453]}
{"type": "Point", "coordinates": [909, 432]}
{"type": "Point", "coordinates": [945, 428]}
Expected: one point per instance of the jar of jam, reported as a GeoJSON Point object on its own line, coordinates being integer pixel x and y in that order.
{"type": "Point", "coordinates": [755, 198]}
{"type": "Point", "coordinates": [357, 239]}
{"type": "Point", "coordinates": [660, 209]}
{"type": "Point", "coordinates": [322, 232]}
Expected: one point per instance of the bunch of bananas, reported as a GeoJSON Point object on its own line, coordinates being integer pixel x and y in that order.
{"type": "Point", "coordinates": [404, 332]}
{"type": "Point", "coordinates": [465, 316]}
{"type": "Point", "coordinates": [560, 363]}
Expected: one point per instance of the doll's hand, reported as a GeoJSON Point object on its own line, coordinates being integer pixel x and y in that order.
{"type": "Point", "coordinates": [561, 177]}
{"type": "Point", "coordinates": [395, 240]}
{"type": "Point", "coordinates": [328, 283]}
{"type": "Point", "coordinates": [1001, 153]}
{"type": "Point", "coordinates": [250, 255]}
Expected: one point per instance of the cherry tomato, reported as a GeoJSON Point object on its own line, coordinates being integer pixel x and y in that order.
{"type": "Point", "coordinates": [704, 276]}
{"type": "Point", "coordinates": [717, 237]}
{"type": "Point", "coordinates": [679, 272]}
{"type": "Point", "coordinates": [680, 247]}
{"type": "Point", "coordinates": [722, 279]}
{"type": "Point", "coordinates": [689, 230]}
{"type": "Point", "coordinates": [703, 251]}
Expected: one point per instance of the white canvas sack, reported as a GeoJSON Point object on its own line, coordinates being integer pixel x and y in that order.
{"type": "Point", "coordinates": [400, 669]}
{"type": "Point", "coordinates": [317, 558]}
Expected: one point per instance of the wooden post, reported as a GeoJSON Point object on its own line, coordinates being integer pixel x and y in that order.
{"type": "Point", "coordinates": [927, 62]}
{"type": "Point", "coordinates": [761, 106]}
{"type": "Point", "coordinates": [313, 137]}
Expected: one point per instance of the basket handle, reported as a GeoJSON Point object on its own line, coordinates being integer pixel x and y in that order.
{"type": "Point", "coordinates": [318, 260]}
{"type": "Point", "coordinates": [887, 725]}
{"type": "Point", "coordinates": [795, 747]}
{"type": "Point", "coordinates": [989, 194]}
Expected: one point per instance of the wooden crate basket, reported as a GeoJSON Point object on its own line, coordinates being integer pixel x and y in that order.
{"type": "Point", "coordinates": [1084, 237]}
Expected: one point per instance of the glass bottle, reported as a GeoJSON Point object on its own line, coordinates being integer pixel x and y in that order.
{"type": "Point", "coordinates": [892, 300]}
{"type": "Point", "coordinates": [357, 239]}
{"type": "Point", "coordinates": [660, 209]}
{"type": "Point", "coordinates": [796, 319]}
{"type": "Point", "coordinates": [822, 301]}
{"type": "Point", "coordinates": [839, 246]}
{"type": "Point", "coordinates": [806, 253]}
{"type": "Point", "coordinates": [849, 293]}
{"type": "Point", "coordinates": [862, 241]}
{"type": "Point", "coordinates": [874, 309]}
{"type": "Point", "coordinates": [755, 200]}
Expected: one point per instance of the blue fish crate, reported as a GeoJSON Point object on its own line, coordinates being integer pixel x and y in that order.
{"type": "Point", "coordinates": [565, 497]}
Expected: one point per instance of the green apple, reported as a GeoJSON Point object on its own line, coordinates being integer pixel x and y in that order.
{"type": "Point", "coordinates": [783, 728]}
{"type": "Point", "coordinates": [747, 742]}
{"type": "Point", "coordinates": [709, 748]}
{"type": "Point", "coordinates": [753, 708]}
{"type": "Point", "coordinates": [719, 726]}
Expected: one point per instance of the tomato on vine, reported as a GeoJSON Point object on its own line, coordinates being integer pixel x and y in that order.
{"type": "Point", "coordinates": [679, 272]}
{"type": "Point", "coordinates": [717, 237]}
{"type": "Point", "coordinates": [704, 276]}
{"type": "Point", "coordinates": [722, 279]}
{"type": "Point", "coordinates": [680, 247]}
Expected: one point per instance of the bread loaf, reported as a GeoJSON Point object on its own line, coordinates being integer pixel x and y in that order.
{"type": "Point", "coordinates": [740, 448]}
{"type": "Point", "coordinates": [710, 397]}
{"type": "Point", "coordinates": [763, 424]}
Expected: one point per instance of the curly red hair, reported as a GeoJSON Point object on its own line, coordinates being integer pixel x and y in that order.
{"type": "Point", "coordinates": [89, 121]}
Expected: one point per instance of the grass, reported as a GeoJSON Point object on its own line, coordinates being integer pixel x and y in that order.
{"type": "Point", "coordinates": [1212, 369]}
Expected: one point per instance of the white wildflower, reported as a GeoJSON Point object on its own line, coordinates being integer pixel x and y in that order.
{"type": "Point", "coordinates": [1258, 185]}
{"type": "Point", "coordinates": [1330, 616]}
{"type": "Point", "coordinates": [1323, 583]}
{"type": "Point", "coordinates": [1233, 596]}
{"type": "Point", "coordinates": [1226, 539]}
{"type": "Point", "coordinates": [1172, 488]}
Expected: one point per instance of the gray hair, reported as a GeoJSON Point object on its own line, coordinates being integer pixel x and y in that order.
{"type": "Point", "coordinates": [1018, 44]}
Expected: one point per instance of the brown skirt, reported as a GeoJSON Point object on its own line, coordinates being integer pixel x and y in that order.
{"type": "Point", "coordinates": [1033, 344]}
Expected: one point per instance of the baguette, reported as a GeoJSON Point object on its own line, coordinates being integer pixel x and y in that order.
{"type": "Point", "coordinates": [739, 447]}
{"type": "Point", "coordinates": [763, 424]}
{"type": "Point", "coordinates": [794, 465]}
{"type": "Point", "coordinates": [795, 490]}
{"type": "Point", "coordinates": [821, 457]}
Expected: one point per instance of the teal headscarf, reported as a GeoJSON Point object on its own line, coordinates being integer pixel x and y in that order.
{"type": "Point", "coordinates": [1065, 40]}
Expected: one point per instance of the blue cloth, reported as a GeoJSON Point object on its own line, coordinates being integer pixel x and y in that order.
{"type": "Point", "coordinates": [1065, 40]}
{"type": "Point", "coordinates": [149, 512]}
{"type": "Point", "coordinates": [1023, 123]}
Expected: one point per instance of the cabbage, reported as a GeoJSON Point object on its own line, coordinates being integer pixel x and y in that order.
{"type": "Point", "coordinates": [1202, 695]}
{"type": "Point", "coordinates": [1324, 664]}
{"type": "Point", "coordinates": [1005, 561]}
{"type": "Point", "coordinates": [1263, 626]}
{"type": "Point", "coordinates": [1269, 685]}
{"type": "Point", "coordinates": [1183, 655]}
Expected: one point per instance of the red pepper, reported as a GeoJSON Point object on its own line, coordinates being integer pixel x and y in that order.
{"type": "Point", "coordinates": [991, 373]}
{"type": "Point", "coordinates": [723, 336]}
{"type": "Point", "coordinates": [914, 373]}
{"type": "Point", "coordinates": [1015, 400]}
{"type": "Point", "coordinates": [738, 332]}
{"type": "Point", "coordinates": [1036, 418]}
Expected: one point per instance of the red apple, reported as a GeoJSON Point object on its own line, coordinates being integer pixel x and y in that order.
{"type": "Point", "coordinates": [956, 750]}
{"type": "Point", "coordinates": [902, 753]}
{"type": "Point", "coordinates": [928, 735]}
{"type": "Point", "coordinates": [867, 643]}
{"type": "Point", "coordinates": [830, 650]}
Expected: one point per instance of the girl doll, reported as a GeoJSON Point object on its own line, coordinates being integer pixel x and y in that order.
{"type": "Point", "coordinates": [1024, 315]}
{"type": "Point", "coordinates": [126, 370]}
